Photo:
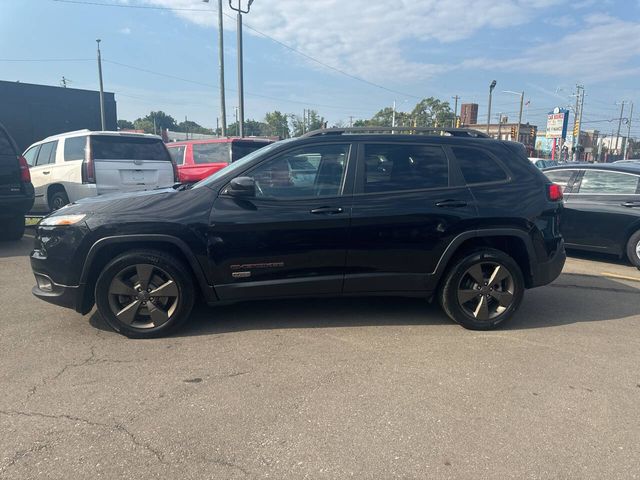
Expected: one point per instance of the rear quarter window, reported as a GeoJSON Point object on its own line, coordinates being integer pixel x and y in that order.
{"type": "Point", "coordinates": [128, 148]}
{"type": "Point", "coordinates": [210, 152]}
{"type": "Point", "coordinates": [478, 166]}
{"type": "Point", "coordinates": [74, 148]}
{"type": "Point", "coordinates": [6, 146]}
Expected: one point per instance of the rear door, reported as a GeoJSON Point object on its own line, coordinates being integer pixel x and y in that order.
{"type": "Point", "coordinates": [9, 166]}
{"type": "Point", "coordinates": [407, 207]}
{"type": "Point", "coordinates": [601, 209]}
{"type": "Point", "coordinates": [207, 158]}
{"type": "Point", "coordinates": [128, 163]}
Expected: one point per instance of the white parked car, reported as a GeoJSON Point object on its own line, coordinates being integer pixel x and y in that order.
{"type": "Point", "coordinates": [67, 167]}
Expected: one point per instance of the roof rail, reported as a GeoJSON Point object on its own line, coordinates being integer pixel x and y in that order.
{"type": "Point", "coordinates": [434, 131]}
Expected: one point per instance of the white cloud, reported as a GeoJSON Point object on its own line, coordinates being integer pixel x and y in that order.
{"type": "Point", "coordinates": [600, 50]}
{"type": "Point", "coordinates": [125, 31]}
{"type": "Point", "coordinates": [369, 38]}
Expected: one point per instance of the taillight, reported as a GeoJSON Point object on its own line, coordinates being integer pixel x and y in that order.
{"type": "Point", "coordinates": [554, 192]}
{"type": "Point", "coordinates": [25, 175]}
{"type": "Point", "coordinates": [88, 167]}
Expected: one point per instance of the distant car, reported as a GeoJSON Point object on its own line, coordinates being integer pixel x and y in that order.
{"type": "Point", "coordinates": [543, 162]}
{"type": "Point", "coordinates": [602, 207]}
{"type": "Point", "coordinates": [16, 190]}
{"type": "Point", "coordinates": [197, 159]}
{"type": "Point", "coordinates": [75, 165]}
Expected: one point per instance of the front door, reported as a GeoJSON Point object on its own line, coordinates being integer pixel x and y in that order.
{"type": "Point", "coordinates": [44, 161]}
{"type": "Point", "coordinates": [290, 239]}
{"type": "Point", "coordinates": [406, 209]}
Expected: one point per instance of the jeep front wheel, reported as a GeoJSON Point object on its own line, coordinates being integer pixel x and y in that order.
{"type": "Point", "coordinates": [145, 294]}
{"type": "Point", "coordinates": [482, 290]}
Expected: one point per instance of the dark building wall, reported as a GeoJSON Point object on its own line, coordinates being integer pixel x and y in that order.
{"type": "Point", "coordinates": [33, 112]}
{"type": "Point", "coordinates": [469, 113]}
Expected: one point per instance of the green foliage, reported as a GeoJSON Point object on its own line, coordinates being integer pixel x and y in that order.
{"type": "Point", "coordinates": [160, 119]}
{"type": "Point", "coordinates": [302, 124]}
{"type": "Point", "coordinates": [277, 124]}
{"type": "Point", "coordinates": [125, 125]}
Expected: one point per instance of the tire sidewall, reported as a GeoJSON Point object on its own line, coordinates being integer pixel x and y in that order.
{"type": "Point", "coordinates": [453, 282]}
{"type": "Point", "coordinates": [167, 263]}
{"type": "Point", "coordinates": [632, 253]}
{"type": "Point", "coordinates": [58, 194]}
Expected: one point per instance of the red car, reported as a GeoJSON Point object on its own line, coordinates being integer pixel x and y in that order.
{"type": "Point", "coordinates": [197, 159]}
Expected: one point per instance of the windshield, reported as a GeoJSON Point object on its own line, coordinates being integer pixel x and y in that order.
{"type": "Point", "coordinates": [239, 165]}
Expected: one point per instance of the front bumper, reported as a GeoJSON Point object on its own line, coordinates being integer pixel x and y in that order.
{"type": "Point", "coordinates": [546, 272]}
{"type": "Point", "coordinates": [68, 296]}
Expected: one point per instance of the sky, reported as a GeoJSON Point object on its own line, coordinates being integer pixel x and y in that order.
{"type": "Point", "coordinates": [346, 59]}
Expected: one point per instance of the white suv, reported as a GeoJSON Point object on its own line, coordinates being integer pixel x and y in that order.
{"type": "Point", "coordinates": [74, 165]}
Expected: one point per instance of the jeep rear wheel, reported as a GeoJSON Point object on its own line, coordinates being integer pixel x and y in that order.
{"type": "Point", "coordinates": [145, 294]}
{"type": "Point", "coordinates": [482, 290]}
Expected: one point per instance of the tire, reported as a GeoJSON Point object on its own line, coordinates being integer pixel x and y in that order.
{"type": "Point", "coordinates": [133, 310]}
{"type": "Point", "coordinates": [633, 249]}
{"type": "Point", "coordinates": [482, 305]}
{"type": "Point", "coordinates": [13, 228]}
{"type": "Point", "coordinates": [58, 200]}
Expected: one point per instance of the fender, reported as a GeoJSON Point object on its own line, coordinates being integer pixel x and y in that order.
{"type": "Point", "coordinates": [207, 290]}
{"type": "Point", "coordinates": [484, 232]}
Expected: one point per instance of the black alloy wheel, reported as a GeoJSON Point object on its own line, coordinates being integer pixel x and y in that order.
{"type": "Point", "coordinates": [482, 290]}
{"type": "Point", "coordinates": [145, 294]}
{"type": "Point", "coordinates": [58, 200]}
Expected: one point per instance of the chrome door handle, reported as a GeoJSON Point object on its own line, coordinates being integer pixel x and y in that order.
{"type": "Point", "coordinates": [451, 204]}
{"type": "Point", "coordinates": [327, 210]}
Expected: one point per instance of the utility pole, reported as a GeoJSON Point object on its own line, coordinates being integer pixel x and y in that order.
{"type": "Point", "coordinates": [393, 117]}
{"type": "Point", "coordinates": [619, 125]}
{"type": "Point", "coordinates": [350, 121]}
{"type": "Point", "coordinates": [240, 60]}
{"type": "Point", "coordinates": [304, 121]}
{"type": "Point", "coordinates": [223, 107]}
{"type": "Point", "coordinates": [491, 87]}
{"type": "Point", "coordinates": [102, 118]}
{"type": "Point", "coordinates": [500, 126]}
{"type": "Point", "coordinates": [521, 95]}
{"type": "Point", "coordinates": [626, 145]}
{"type": "Point", "coordinates": [455, 111]}
{"type": "Point", "coordinates": [580, 119]}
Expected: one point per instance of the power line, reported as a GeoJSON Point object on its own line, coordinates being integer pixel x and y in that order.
{"type": "Point", "coordinates": [46, 59]}
{"type": "Point", "coordinates": [269, 37]}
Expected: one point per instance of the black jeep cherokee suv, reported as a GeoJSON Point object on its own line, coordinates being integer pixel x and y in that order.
{"type": "Point", "coordinates": [447, 214]}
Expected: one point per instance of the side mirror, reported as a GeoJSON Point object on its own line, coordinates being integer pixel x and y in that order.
{"type": "Point", "coordinates": [244, 187]}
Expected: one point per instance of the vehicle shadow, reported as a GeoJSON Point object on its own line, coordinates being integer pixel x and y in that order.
{"type": "Point", "coordinates": [571, 299]}
{"type": "Point", "coordinates": [598, 257]}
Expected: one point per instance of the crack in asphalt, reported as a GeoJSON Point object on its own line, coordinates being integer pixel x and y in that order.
{"type": "Point", "coordinates": [90, 360]}
{"type": "Point", "coordinates": [110, 427]}
{"type": "Point", "coordinates": [600, 289]}
{"type": "Point", "coordinates": [20, 454]}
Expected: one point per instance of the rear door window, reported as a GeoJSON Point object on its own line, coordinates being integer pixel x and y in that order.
{"type": "Point", "coordinates": [561, 177]}
{"type": "Point", "coordinates": [177, 154]}
{"type": "Point", "coordinates": [74, 148]}
{"type": "Point", "coordinates": [210, 152]}
{"type": "Point", "coordinates": [47, 153]}
{"type": "Point", "coordinates": [128, 148]}
{"type": "Point", "coordinates": [608, 183]}
{"type": "Point", "coordinates": [478, 166]}
{"type": "Point", "coordinates": [397, 167]}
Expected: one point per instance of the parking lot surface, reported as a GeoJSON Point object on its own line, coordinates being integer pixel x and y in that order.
{"type": "Point", "coordinates": [362, 388]}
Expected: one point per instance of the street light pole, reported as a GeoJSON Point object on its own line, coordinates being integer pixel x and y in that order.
{"type": "Point", "coordinates": [491, 87]}
{"type": "Point", "coordinates": [455, 111]}
{"type": "Point", "coordinates": [240, 59]}
{"type": "Point", "coordinates": [102, 118]}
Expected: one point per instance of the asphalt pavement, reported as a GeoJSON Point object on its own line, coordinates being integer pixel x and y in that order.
{"type": "Point", "coordinates": [370, 388]}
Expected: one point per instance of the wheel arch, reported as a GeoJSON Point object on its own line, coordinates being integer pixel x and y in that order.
{"type": "Point", "coordinates": [53, 188]}
{"type": "Point", "coordinates": [515, 243]}
{"type": "Point", "coordinates": [105, 249]}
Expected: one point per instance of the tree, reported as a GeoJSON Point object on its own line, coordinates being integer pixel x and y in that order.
{"type": "Point", "coordinates": [193, 127]}
{"type": "Point", "coordinates": [252, 128]}
{"type": "Point", "coordinates": [155, 122]}
{"type": "Point", "coordinates": [312, 121]}
{"type": "Point", "coordinates": [125, 125]}
{"type": "Point", "coordinates": [277, 124]}
{"type": "Point", "coordinates": [431, 112]}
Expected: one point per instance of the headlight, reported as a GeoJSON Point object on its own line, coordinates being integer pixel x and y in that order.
{"type": "Point", "coordinates": [58, 220]}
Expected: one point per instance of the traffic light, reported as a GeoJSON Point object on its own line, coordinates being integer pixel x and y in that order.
{"type": "Point", "coordinates": [513, 132]}
{"type": "Point", "coordinates": [457, 122]}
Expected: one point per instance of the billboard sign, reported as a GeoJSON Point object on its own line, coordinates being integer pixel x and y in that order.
{"type": "Point", "coordinates": [557, 122]}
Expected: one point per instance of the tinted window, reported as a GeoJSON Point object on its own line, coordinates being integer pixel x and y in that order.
{"type": "Point", "coordinates": [74, 148]}
{"type": "Point", "coordinates": [312, 171]}
{"type": "Point", "coordinates": [391, 167]}
{"type": "Point", "coordinates": [47, 153]}
{"type": "Point", "coordinates": [210, 153]}
{"type": "Point", "coordinates": [177, 154]}
{"type": "Point", "coordinates": [478, 166]}
{"type": "Point", "coordinates": [128, 148]}
{"type": "Point", "coordinates": [6, 147]}
{"type": "Point", "coordinates": [560, 177]}
{"type": "Point", "coordinates": [31, 155]}
{"type": "Point", "coordinates": [241, 149]}
{"type": "Point", "coordinates": [595, 181]}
